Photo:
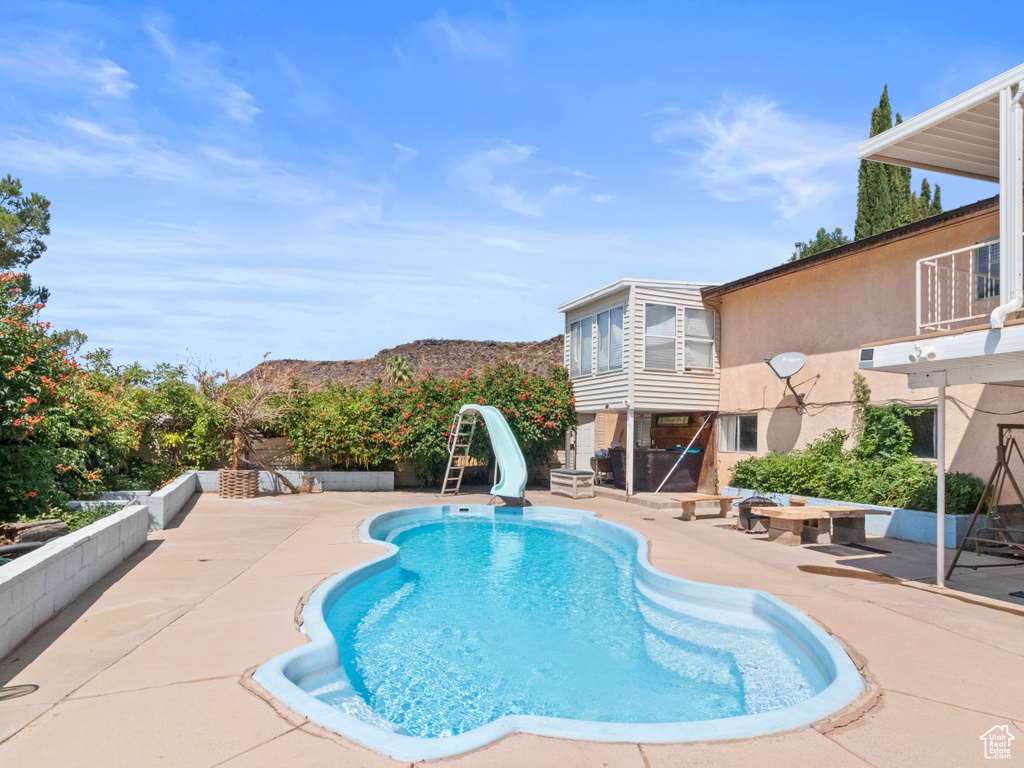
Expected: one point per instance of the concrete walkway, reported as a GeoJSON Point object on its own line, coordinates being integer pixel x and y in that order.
{"type": "Point", "coordinates": [150, 666]}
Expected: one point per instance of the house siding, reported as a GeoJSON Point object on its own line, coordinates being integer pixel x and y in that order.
{"type": "Point", "coordinates": [597, 390]}
{"type": "Point", "coordinates": [679, 390]}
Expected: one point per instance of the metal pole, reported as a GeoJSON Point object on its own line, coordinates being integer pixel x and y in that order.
{"type": "Point", "coordinates": [688, 446]}
{"type": "Point", "coordinates": [630, 439]}
{"type": "Point", "coordinates": [940, 517]}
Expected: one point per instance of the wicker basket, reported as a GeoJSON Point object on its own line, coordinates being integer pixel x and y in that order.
{"type": "Point", "coordinates": [239, 483]}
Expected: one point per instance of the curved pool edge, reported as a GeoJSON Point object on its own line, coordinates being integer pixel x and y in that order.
{"type": "Point", "coordinates": [281, 675]}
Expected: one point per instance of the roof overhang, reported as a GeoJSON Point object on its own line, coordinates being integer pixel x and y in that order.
{"type": "Point", "coordinates": [959, 136]}
{"type": "Point", "coordinates": [628, 282]}
{"type": "Point", "coordinates": [975, 357]}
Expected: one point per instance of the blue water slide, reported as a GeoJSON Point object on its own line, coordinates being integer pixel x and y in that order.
{"type": "Point", "coordinates": [511, 463]}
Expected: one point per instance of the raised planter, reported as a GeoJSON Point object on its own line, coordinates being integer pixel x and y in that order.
{"type": "Point", "coordinates": [166, 503]}
{"type": "Point", "coordinates": [325, 480]}
{"type": "Point", "coordinates": [906, 524]}
{"type": "Point", "coordinates": [238, 483]}
{"type": "Point", "coordinates": [37, 585]}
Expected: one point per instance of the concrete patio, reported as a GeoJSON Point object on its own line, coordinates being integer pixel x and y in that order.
{"type": "Point", "coordinates": [151, 666]}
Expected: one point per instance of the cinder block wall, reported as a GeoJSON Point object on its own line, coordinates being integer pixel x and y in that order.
{"type": "Point", "coordinates": [36, 586]}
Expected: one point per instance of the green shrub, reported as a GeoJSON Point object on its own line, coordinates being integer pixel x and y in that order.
{"type": "Point", "coordinates": [79, 518]}
{"type": "Point", "coordinates": [963, 490]}
{"type": "Point", "coordinates": [879, 469]}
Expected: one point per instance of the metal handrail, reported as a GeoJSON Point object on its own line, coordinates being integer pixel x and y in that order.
{"type": "Point", "coordinates": [948, 289]}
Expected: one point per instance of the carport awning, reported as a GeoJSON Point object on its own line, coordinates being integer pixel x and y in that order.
{"type": "Point", "coordinates": [959, 136]}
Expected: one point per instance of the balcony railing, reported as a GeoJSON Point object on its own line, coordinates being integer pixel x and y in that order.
{"type": "Point", "coordinates": [957, 289]}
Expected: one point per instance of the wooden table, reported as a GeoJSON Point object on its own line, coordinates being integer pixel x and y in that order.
{"type": "Point", "coordinates": [690, 505]}
{"type": "Point", "coordinates": [817, 525]}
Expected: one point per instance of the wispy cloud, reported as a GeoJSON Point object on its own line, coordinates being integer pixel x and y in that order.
{"type": "Point", "coordinates": [751, 148]}
{"type": "Point", "coordinates": [76, 147]}
{"type": "Point", "coordinates": [59, 61]}
{"type": "Point", "coordinates": [473, 38]}
{"type": "Point", "coordinates": [480, 171]}
{"type": "Point", "coordinates": [405, 155]}
{"type": "Point", "coordinates": [194, 70]}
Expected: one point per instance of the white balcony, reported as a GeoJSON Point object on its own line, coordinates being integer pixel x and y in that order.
{"type": "Point", "coordinates": [958, 289]}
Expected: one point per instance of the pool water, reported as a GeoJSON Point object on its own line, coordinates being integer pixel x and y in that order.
{"type": "Point", "coordinates": [486, 616]}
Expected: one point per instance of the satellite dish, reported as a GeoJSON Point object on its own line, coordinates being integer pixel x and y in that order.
{"type": "Point", "coordinates": [787, 364]}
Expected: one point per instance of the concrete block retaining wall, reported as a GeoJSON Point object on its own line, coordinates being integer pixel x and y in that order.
{"type": "Point", "coordinates": [36, 586]}
{"type": "Point", "coordinates": [168, 501]}
{"type": "Point", "coordinates": [121, 498]}
{"type": "Point", "coordinates": [906, 524]}
{"type": "Point", "coordinates": [325, 480]}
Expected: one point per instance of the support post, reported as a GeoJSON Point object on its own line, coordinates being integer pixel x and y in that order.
{"type": "Point", "coordinates": [630, 440]}
{"type": "Point", "coordinates": [940, 508]}
{"type": "Point", "coordinates": [1011, 200]}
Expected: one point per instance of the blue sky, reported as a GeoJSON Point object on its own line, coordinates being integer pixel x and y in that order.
{"type": "Point", "coordinates": [322, 180]}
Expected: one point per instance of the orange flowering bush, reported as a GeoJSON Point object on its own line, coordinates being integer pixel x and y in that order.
{"type": "Point", "coordinates": [65, 429]}
{"type": "Point", "coordinates": [380, 425]}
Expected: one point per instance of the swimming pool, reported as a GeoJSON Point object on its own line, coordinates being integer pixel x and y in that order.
{"type": "Point", "coordinates": [481, 622]}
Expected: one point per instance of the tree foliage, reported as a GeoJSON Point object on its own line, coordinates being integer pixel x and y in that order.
{"type": "Point", "coordinates": [24, 221]}
{"type": "Point", "coordinates": [884, 198]}
{"type": "Point", "coordinates": [823, 241]}
{"type": "Point", "coordinates": [398, 372]}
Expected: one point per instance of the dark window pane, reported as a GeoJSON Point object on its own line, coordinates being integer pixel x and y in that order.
{"type": "Point", "coordinates": [922, 427]}
{"type": "Point", "coordinates": [986, 265]}
{"type": "Point", "coordinates": [748, 432]}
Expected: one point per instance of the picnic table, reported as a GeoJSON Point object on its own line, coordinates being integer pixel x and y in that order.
{"type": "Point", "coordinates": [817, 525]}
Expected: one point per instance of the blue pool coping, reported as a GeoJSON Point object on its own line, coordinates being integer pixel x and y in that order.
{"type": "Point", "coordinates": [282, 675]}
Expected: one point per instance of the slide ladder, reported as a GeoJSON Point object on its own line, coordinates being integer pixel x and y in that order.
{"type": "Point", "coordinates": [511, 464]}
{"type": "Point", "coordinates": [459, 440]}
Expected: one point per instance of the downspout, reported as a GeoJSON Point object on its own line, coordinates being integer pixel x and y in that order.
{"type": "Point", "coordinates": [1011, 202]}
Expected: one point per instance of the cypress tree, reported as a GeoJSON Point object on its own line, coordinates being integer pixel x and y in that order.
{"type": "Point", "coordinates": [884, 199]}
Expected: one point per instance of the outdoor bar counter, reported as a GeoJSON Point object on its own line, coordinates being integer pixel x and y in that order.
{"type": "Point", "coordinates": [650, 465]}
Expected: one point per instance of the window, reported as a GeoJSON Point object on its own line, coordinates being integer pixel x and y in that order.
{"type": "Point", "coordinates": [642, 432]}
{"type": "Point", "coordinates": [922, 427]}
{"type": "Point", "coordinates": [609, 340]}
{"type": "Point", "coordinates": [986, 268]}
{"type": "Point", "coordinates": [738, 433]}
{"type": "Point", "coordinates": [581, 347]}
{"type": "Point", "coordinates": [660, 337]}
{"type": "Point", "coordinates": [698, 339]}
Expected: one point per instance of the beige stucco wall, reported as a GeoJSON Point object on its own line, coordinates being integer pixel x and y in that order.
{"type": "Point", "coordinates": [828, 311]}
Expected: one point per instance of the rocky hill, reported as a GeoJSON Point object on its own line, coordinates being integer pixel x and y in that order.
{"type": "Point", "coordinates": [446, 358]}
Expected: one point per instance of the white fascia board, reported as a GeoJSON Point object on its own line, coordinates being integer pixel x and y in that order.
{"type": "Point", "coordinates": [1007, 373]}
{"type": "Point", "coordinates": [990, 356]}
{"type": "Point", "coordinates": [875, 147]}
{"type": "Point", "coordinates": [630, 282]}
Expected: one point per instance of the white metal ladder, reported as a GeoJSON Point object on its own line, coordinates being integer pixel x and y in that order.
{"type": "Point", "coordinates": [459, 440]}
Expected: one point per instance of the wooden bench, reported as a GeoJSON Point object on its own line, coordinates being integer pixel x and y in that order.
{"type": "Point", "coordinates": [817, 525]}
{"type": "Point", "coordinates": [690, 505]}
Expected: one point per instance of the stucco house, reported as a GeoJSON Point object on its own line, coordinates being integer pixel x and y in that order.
{"type": "Point", "coordinates": [827, 307]}
{"type": "Point", "coordinates": [931, 314]}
